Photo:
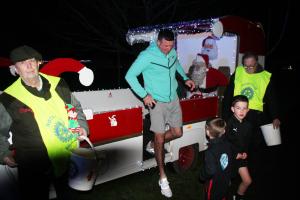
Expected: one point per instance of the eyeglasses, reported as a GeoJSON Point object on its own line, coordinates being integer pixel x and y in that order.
{"type": "Point", "coordinates": [250, 67]}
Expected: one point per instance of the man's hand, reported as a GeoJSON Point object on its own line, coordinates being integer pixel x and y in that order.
{"type": "Point", "coordinates": [81, 132]}
{"type": "Point", "coordinates": [149, 101]}
{"type": "Point", "coordinates": [190, 84]}
{"type": "Point", "coordinates": [276, 123]}
{"type": "Point", "coordinates": [10, 161]}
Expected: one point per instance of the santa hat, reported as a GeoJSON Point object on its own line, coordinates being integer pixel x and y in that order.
{"type": "Point", "coordinates": [59, 65]}
{"type": "Point", "coordinates": [201, 58]}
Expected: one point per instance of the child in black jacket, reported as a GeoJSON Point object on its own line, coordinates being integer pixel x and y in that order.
{"type": "Point", "coordinates": [217, 168]}
{"type": "Point", "coordinates": [239, 133]}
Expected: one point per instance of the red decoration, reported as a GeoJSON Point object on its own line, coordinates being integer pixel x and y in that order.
{"type": "Point", "coordinates": [215, 78]}
{"type": "Point", "coordinates": [194, 110]}
{"type": "Point", "coordinates": [59, 65]}
{"type": "Point", "coordinates": [116, 125]}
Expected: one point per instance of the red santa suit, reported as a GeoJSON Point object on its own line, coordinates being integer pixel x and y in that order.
{"type": "Point", "coordinates": [206, 79]}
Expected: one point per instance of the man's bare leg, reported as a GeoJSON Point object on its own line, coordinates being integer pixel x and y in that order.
{"type": "Point", "coordinates": [172, 134]}
{"type": "Point", "coordinates": [159, 141]}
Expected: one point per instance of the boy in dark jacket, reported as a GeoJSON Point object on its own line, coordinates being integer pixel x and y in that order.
{"type": "Point", "coordinates": [239, 134]}
{"type": "Point", "coordinates": [216, 171]}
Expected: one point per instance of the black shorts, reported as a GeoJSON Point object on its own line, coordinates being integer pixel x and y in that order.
{"type": "Point", "coordinates": [242, 163]}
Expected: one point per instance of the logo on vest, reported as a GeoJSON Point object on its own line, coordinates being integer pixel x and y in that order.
{"type": "Point", "coordinates": [224, 161]}
{"type": "Point", "coordinates": [248, 92]}
{"type": "Point", "coordinates": [61, 131]}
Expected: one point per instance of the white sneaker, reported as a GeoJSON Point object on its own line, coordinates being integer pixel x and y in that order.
{"type": "Point", "coordinates": [149, 148]}
{"type": "Point", "coordinates": [165, 188]}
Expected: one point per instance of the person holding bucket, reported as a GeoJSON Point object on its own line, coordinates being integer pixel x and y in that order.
{"type": "Point", "coordinates": [35, 109]}
{"type": "Point", "coordinates": [256, 84]}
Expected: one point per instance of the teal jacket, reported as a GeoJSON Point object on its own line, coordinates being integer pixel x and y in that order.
{"type": "Point", "coordinates": [159, 74]}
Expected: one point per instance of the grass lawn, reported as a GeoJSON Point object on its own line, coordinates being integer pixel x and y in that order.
{"type": "Point", "coordinates": [267, 184]}
{"type": "Point", "coordinates": [144, 185]}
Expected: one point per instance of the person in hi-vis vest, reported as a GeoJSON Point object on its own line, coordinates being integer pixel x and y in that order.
{"type": "Point", "coordinates": [255, 83]}
{"type": "Point", "coordinates": [252, 81]}
{"type": "Point", "coordinates": [34, 109]}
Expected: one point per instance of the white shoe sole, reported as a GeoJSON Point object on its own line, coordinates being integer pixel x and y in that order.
{"type": "Point", "coordinates": [167, 192]}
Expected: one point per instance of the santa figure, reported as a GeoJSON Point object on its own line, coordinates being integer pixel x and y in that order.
{"type": "Point", "coordinates": [207, 79]}
{"type": "Point", "coordinates": [210, 48]}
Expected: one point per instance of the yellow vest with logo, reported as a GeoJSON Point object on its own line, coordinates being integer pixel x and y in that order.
{"type": "Point", "coordinates": [252, 86]}
{"type": "Point", "coordinates": [52, 119]}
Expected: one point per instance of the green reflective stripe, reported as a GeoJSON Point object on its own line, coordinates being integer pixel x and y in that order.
{"type": "Point", "coordinates": [251, 85]}
{"type": "Point", "coordinates": [52, 119]}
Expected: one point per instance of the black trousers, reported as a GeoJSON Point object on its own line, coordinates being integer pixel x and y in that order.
{"type": "Point", "coordinates": [256, 153]}
{"type": "Point", "coordinates": [34, 183]}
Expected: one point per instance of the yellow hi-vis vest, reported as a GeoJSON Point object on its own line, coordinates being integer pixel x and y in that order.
{"type": "Point", "coordinates": [52, 119]}
{"type": "Point", "coordinates": [251, 85]}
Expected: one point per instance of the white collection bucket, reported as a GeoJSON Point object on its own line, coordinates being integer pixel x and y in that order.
{"type": "Point", "coordinates": [272, 136]}
{"type": "Point", "coordinates": [83, 168]}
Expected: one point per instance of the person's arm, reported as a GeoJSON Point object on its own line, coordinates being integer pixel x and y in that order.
{"type": "Point", "coordinates": [134, 71]}
{"type": "Point", "coordinates": [228, 95]}
{"type": "Point", "coordinates": [190, 83]}
{"type": "Point", "coordinates": [209, 167]}
{"type": "Point", "coordinates": [271, 100]}
{"type": "Point", "coordinates": [4, 134]}
{"type": "Point", "coordinates": [80, 115]}
{"type": "Point", "coordinates": [65, 93]}
{"type": "Point", "coordinates": [181, 71]}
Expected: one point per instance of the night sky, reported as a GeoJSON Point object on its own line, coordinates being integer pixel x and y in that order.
{"type": "Point", "coordinates": [96, 29]}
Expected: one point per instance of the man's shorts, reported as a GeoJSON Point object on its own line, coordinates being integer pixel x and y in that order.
{"type": "Point", "coordinates": [165, 113]}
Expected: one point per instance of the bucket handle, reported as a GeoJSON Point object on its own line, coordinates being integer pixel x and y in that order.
{"type": "Point", "coordinates": [85, 138]}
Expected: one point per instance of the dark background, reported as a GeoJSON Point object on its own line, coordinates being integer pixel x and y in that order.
{"type": "Point", "coordinates": [95, 30]}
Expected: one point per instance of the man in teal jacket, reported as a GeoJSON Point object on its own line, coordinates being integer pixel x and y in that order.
{"type": "Point", "coordinates": [158, 64]}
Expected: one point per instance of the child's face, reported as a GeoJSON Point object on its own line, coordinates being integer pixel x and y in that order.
{"type": "Point", "coordinates": [240, 110]}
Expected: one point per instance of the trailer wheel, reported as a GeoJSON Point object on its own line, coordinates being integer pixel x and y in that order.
{"type": "Point", "coordinates": [187, 159]}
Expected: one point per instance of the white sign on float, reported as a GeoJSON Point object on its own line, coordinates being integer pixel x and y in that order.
{"type": "Point", "coordinates": [113, 120]}
{"type": "Point", "coordinates": [189, 45]}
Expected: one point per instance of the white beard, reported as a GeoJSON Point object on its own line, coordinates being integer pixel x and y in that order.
{"type": "Point", "coordinates": [198, 75]}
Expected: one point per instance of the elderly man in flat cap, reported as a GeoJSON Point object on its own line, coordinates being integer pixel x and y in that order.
{"type": "Point", "coordinates": [33, 108]}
